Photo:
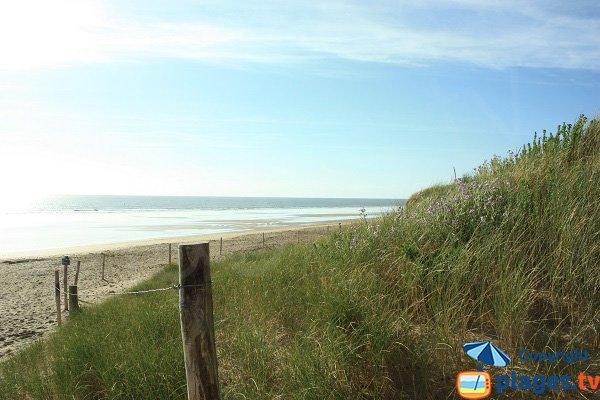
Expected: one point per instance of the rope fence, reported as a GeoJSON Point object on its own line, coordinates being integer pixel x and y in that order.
{"type": "Point", "coordinates": [112, 265]}
{"type": "Point", "coordinates": [195, 309]}
{"type": "Point", "coordinates": [196, 314]}
{"type": "Point", "coordinates": [91, 293]}
{"type": "Point", "coordinates": [136, 292]}
{"type": "Point", "coordinates": [172, 287]}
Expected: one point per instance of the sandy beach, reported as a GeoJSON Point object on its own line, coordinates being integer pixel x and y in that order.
{"type": "Point", "coordinates": [27, 303]}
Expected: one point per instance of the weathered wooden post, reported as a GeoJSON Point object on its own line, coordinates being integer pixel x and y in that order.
{"type": "Point", "coordinates": [57, 296]}
{"type": "Point", "coordinates": [197, 327]}
{"type": "Point", "coordinates": [77, 273]}
{"type": "Point", "coordinates": [64, 286]}
{"type": "Point", "coordinates": [66, 261]}
{"type": "Point", "coordinates": [263, 239]}
{"type": "Point", "coordinates": [103, 262]}
{"type": "Point", "coordinates": [169, 253]}
{"type": "Point", "coordinates": [73, 300]}
{"type": "Point", "coordinates": [221, 247]}
{"type": "Point", "coordinates": [298, 236]}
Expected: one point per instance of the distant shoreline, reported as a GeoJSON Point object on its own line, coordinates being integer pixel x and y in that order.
{"type": "Point", "coordinates": [54, 227]}
{"type": "Point", "coordinates": [112, 246]}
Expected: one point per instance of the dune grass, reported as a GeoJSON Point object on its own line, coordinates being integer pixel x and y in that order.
{"type": "Point", "coordinates": [379, 310]}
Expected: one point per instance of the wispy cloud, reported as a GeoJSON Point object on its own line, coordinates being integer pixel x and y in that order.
{"type": "Point", "coordinates": [40, 34]}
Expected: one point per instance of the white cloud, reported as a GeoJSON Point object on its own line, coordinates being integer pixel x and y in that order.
{"type": "Point", "coordinates": [40, 34]}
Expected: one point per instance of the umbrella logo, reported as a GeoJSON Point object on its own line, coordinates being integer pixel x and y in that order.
{"type": "Point", "coordinates": [486, 353]}
{"type": "Point", "coordinates": [477, 384]}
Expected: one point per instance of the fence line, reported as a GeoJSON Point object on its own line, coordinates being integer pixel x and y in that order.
{"type": "Point", "coordinates": [262, 239]}
{"type": "Point", "coordinates": [172, 287]}
{"type": "Point", "coordinates": [196, 315]}
{"type": "Point", "coordinates": [59, 291]}
{"type": "Point", "coordinates": [195, 312]}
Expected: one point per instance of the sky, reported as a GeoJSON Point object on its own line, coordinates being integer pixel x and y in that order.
{"type": "Point", "coordinates": [298, 98]}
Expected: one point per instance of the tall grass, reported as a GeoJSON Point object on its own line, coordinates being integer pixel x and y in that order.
{"type": "Point", "coordinates": [376, 311]}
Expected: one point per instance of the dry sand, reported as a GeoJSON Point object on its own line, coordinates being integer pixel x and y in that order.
{"type": "Point", "coordinates": [27, 302]}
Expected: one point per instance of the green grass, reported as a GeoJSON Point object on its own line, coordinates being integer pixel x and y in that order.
{"type": "Point", "coordinates": [379, 310]}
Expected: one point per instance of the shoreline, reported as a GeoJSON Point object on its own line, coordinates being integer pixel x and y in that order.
{"type": "Point", "coordinates": [34, 255]}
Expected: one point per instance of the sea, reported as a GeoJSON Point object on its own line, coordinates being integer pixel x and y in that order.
{"type": "Point", "coordinates": [58, 222]}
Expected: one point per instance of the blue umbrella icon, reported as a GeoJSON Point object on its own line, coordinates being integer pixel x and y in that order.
{"type": "Point", "coordinates": [486, 353]}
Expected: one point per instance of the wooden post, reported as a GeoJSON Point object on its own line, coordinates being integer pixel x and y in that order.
{"type": "Point", "coordinates": [77, 273]}
{"type": "Point", "coordinates": [197, 327]}
{"type": "Point", "coordinates": [103, 262]}
{"type": "Point", "coordinates": [169, 253]}
{"type": "Point", "coordinates": [65, 283]}
{"type": "Point", "coordinates": [221, 246]}
{"type": "Point", "coordinates": [57, 296]}
{"type": "Point", "coordinates": [73, 300]}
{"type": "Point", "coordinates": [263, 239]}
{"type": "Point", "coordinates": [298, 236]}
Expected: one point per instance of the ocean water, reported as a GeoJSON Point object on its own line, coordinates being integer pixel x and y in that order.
{"type": "Point", "coordinates": [68, 221]}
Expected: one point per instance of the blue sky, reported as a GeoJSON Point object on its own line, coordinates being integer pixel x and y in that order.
{"type": "Point", "coordinates": [295, 98]}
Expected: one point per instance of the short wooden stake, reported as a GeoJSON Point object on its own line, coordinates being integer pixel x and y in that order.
{"type": "Point", "coordinates": [65, 283]}
{"type": "Point", "coordinates": [197, 327]}
{"type": "Point", "coordinates": [57, 296]}
{"type": "Point", "coordinates": [73, 300]}
{"type": "Point", "coordinates": [77, 273]}
{"type": "Point", "coordinates": [263, 239]}
{"type": "Point", "coordinates": [169, 253]}
{"type": "Point", "coordinates": [103, 262]}
{"type": "Point", "coordinates": [221, 247]}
